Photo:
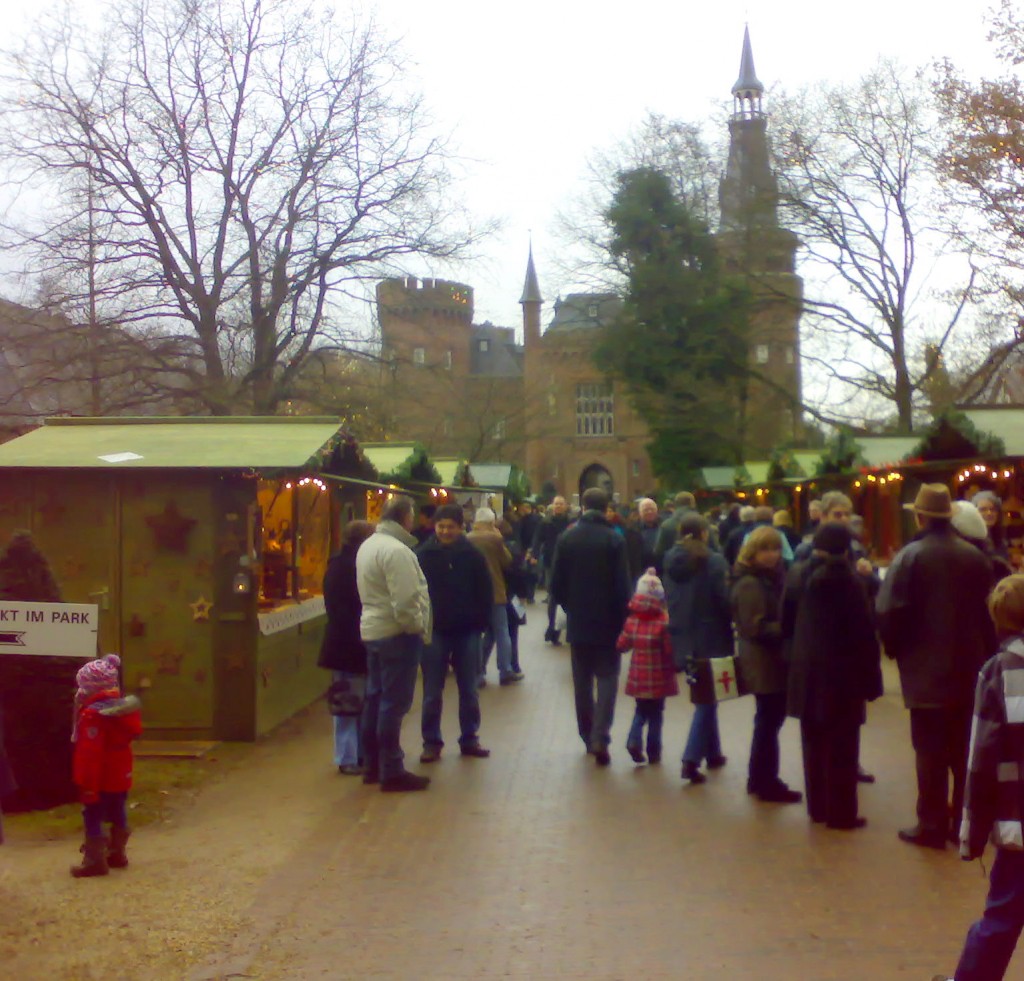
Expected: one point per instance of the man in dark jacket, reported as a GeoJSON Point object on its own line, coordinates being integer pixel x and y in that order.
{"type": "Point", "coordinates": [525, 532]}
{"type": "Point", "coordinates": [542, 553]}
{"type": "Point", "coordinates": [685, 503]}
{"type": "Point", "coordinates": [461, 596]}
{"type": "Point", "coordinates": [733, 544]}
{"type": "Point", "coordinates": [648, 524]}
{"type": "Point", "coordinates": [933, 619]}
{"type": "Point", "coordinates": [591, 582]}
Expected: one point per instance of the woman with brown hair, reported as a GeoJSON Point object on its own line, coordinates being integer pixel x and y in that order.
{"type": "Point", "coordinates": [342, 650]}
{"type": "Point", "coordinates": [756, 601]}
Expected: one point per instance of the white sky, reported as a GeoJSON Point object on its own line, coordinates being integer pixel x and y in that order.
{"type": "Point", "coordinates": [530, 89]}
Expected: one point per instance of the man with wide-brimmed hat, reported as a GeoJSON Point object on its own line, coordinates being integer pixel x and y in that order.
{"type": "Point", "coordinates": [933, 619]}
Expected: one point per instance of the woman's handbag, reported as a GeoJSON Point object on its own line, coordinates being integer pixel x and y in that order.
{"type": "Point", "coordinates": [346, 696]}
{"type": "Point", "coordinates": [715, 679]}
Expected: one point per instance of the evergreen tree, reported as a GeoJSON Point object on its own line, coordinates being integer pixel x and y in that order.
{"type": "Point", "coordinates": [680, 343]}
{"type": "Point", "coordinates": [25, 574]}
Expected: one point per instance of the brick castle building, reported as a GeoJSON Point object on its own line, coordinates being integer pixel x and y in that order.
{"type": "Point", "coordinates": [472, 391]}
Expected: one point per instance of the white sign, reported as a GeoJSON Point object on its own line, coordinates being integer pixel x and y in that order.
{"type": "Point", "coordinates": [289, 616]}
{"type": "Point", "coordinates": [57, 629]}
{"type": "Point", "coordinates": [723, 673]}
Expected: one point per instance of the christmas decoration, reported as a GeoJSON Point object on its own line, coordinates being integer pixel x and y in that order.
{"type": "Point", "coordinates": [201, 608]}
{"type": "Point", "coordinates": [171, 528]}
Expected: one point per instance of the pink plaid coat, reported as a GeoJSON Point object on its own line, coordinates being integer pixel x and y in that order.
{"type": "Point", "coordinates": [652, 673]}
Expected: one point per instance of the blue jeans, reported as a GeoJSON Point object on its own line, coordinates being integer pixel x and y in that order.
{"type": "Point", "coordinates": [110, 809]}
{"type": "Point", "coordinates": [392, 665]}
{"type": "Point", "coordinates": [763, 771]}
{"type": "Point", "coordinates": [462, 649]}
{"type": "Point", "coordinates": [595, 665]}
{"type": "Point", "coordinates": [703, 743]}
{"type": "Point", "coordinates": [497, 635]}
{"type": "Point", "coordinates": [649, 712]}
{"type": "Point", "coordinates": [346, 731]}
{"type": "Point", "coordinates": [991, 941]}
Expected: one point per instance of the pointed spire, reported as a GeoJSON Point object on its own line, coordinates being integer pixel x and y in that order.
{"type": "Point", "coordinates": [531, 288]}
{"type": "Point", "coordinates": [747, 85]}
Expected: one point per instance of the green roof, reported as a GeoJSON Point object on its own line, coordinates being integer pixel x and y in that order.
{"type": "Point", "coordinates": [448, 469]}
{"type": "Point", "coordinates": [387, 457]}
{"type": "Point", "coordinates": [1006, 423]}
{"type": "Point", "coordinates": [758, 470]}
{"type": "Point", "coordinates": [719, 478]}
{"type": "Point", "coordinates": [492, 475]}
{"type": "Point", "coordinates": [235, 443]}
{"type": "Point", "coordinates": [880, 450]}
{"type": "Point", "coordinates": [807, 461]}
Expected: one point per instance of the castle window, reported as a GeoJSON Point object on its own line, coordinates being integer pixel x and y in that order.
{"type": "Point", "coordinates": [790, 356]}
{"type": "Point", "coordinates": [595, 410]}
{"type": "Point", "coordinates": [419, 355]}
{"type": "Point", "coordinates": [761, 354]}
{"type": "Point", "coordinates": [499, 429]}
{"type": "Point", "coordinates": [447, 360]}
{"type": "Point", "coordinates": [485, 346]}
{"type": "Point", "coordinates": [592, 311]}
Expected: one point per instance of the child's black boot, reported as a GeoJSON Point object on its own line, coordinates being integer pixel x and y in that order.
{"type": "Point", "coordinates": [116, 856]}
{"type": "Point", "coordinates": [94, 859]}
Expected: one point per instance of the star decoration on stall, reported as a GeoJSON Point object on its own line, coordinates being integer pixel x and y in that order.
{"type": "Point", "coordinates": [230, 544]}
{"type": "Point", "coordinates": [171, 528]}
{"type": "Point", "coordinates": [139, 568]}
{"type": "Point", "coordinates": [168, 659]}
{"type": "Point", "coordinates": [74, 568]}
{"type": "Point", "coordinates": [52, 511]}
{"type": "Point", "coordinates": [136, 626]}
{"type": "Point", "coordinates": [201, 608]}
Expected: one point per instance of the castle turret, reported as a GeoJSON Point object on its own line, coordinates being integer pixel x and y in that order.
{"type": "Point", "coordinates": [531, 301]}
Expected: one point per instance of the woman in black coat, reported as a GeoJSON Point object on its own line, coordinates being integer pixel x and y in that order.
{"type": "Point", "coordinates": [835, 668]}
{"type": "Point", "coordinates": [342, 650]}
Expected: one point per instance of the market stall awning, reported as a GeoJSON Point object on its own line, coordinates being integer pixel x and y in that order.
{"type": "Point", "coordinates": [235, 443]}
{"type": "Point", "coordinates": [1006, 423]}
{"type": "Point", "coordinates": [388, 457]}
{"type": "Point", "coordinates": [758, 470]}
{"type": "Point", "coordinates": [719, 478]}
{"type": "Point", "coordinates": [807, 461]}
{"type": "Point", "coordinates": [493, 475]}
{"type": "Point", "coordinates": [448, 468]}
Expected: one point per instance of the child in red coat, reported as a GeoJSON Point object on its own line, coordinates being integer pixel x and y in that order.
{"type": "Point", "coordinates": [104, 727]}
{"type": "Point", "coordinates": [652, 673]}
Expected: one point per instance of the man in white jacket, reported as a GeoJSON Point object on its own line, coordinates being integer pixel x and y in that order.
{"type": "Point", "coordinates": [395, 623]}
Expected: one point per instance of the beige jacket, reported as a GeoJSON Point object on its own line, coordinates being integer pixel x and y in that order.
{"type": "Point", "coordinates": [490, 542]}
{"type": "Point", "coordinates": [391, 585]}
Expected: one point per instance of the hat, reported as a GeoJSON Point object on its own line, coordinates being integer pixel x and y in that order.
{"type": "Point", "coordinates": [650, 585]}
{"type": "Point", "coordinates": [968, 521]}
{"type": "Point", "coordinates": [484, 516]}
{"type": "Point", "coordinates": [98, 675]}
{"type": "Point", "coordinates": [833, 538]}
{"type": "Point", "coordinates": [932, 501]}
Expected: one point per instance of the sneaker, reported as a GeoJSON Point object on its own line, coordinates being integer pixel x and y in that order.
{"type": "Point", "coordinates": [780, 794]}
{"type": "Point", "coordinates": [403, 782]}
{"type": "Point", "coordinates": [511, 679]}
{"type": "Point", "coordinates": [350, 770]}
{"type": "Point", "coordinates": [636, 753]}
{"type": "Point", "coordinates": [692, 773]}
{"type": "Point", "coordinates": [430, 754]}
{"type": "Point", "coordinates": [475, 749]}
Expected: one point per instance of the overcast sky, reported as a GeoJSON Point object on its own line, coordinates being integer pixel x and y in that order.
{"type": "Point", "coordinates": [528, 90]}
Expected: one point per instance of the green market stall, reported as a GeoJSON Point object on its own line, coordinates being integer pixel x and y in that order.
{"type": "Point", "coordinates": [204, 542]}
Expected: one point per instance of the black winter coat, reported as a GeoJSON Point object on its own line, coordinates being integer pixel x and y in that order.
{"type": "Point", "coordinates": [526, 530]}
{"type": "Point", "coordinates": [546, 536]}
{"type": "Point", "coordinates": [342, 648]}
{"type": "Point", "coordinates": [933, 618]}
{"type": "Point", "coordinates": [590, 581]}
{"type": "Point", "coordinates": [756, 610]}
{"type": "Point", "coordinates": [459, 584]}
{"type": "Point", "coordinates": [697, 593]}
{"type": "Point", "coordinates": [835, 661]}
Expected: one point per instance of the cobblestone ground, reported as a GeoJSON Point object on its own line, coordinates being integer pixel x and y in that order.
{"type": "Point", "coordinates": [531, 864]}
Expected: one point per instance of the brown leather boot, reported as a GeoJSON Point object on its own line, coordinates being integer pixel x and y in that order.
{"type": "Point", "coordinates": [116, 857]}
{"type": "Point", "coordinates": [94, 859]}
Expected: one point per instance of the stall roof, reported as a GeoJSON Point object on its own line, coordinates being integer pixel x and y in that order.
{"type": "Point", "coordinates": [494, 475]}
{"type": "Point", "coordinates": [1006, 422]}
{"type": "Point", "coordinates": [758, 470]}
{"type": "Point", "coordinates": [235, 443]}
{"type": "Point", "coordinates": [387, 457]}
{"type": "Point", "coordinates": [448, 468]}
{"type": "Point", "coordinates": [879, 450]}
{"type": "Point", "coordinates": [807, 461]}
{"type": "Point", "coordinates": [719, 478]}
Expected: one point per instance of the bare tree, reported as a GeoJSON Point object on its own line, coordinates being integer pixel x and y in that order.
{"type": "Point", "coordinates": [856, 167]}
{"type": "Point", "coordinates": [223, 173]}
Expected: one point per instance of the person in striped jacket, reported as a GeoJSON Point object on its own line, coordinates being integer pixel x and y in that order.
{"type": "Point", "coordinates": [994, 797]}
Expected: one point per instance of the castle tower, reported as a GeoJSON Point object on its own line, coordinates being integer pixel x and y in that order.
{"type": "Point", "coordinates": [534, 379]}
{"type": "Point", "coordinates": [531, 302]}
{"type": "Point", "coordinates": [753, 243]}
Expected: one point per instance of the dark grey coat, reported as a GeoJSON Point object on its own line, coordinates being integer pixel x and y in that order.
{"type": "Point", "coordinates": [697, 593]}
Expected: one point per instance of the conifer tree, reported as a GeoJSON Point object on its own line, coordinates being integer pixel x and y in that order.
{"type": "Point", "coordinates": [25, 574]}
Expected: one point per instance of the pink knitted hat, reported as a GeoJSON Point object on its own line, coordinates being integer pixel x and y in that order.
{"type": "Point", "coordinates": [98, 675]}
